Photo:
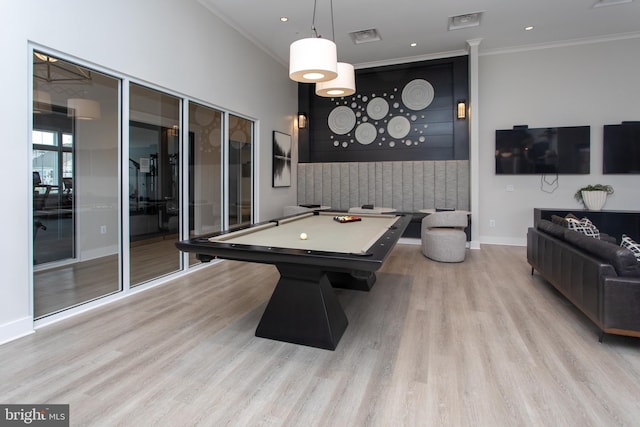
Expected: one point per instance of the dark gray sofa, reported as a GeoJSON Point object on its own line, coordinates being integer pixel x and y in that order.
{"type": "Point", "coordinates": [600, 278]}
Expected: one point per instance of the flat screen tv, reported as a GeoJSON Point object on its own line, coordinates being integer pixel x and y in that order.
{"type": "Point", "coordinates": [556, 150]}
{"type": "Point", "coordinates": [621, 148]}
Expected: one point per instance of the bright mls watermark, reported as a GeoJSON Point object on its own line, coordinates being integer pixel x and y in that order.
{"type": "Point", "coordinates": [34, 415]}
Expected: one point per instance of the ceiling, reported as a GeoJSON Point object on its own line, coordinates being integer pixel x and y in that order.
{"type": "Point", "coordinates": [425, 22]}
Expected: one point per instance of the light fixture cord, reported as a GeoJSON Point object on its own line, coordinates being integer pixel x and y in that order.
{"type": "Point", "coordinates": [333, 31]}
{"type": "Point", "coordinates": [313, 19]}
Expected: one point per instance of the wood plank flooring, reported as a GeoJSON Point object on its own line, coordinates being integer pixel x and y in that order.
{"type": "Point", "coordinates": [481, 343]}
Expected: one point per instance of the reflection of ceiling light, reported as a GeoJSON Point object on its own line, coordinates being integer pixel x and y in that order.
{"type": "Point", "coordinates": [45, 58]}
{"type": "Point", "coordinates": [464, 21]}
{"type": "Point", "coordinates": [414, 44]}
{"type": "Point", "coordinates": [283, 19]}
{"type": "Point", "coordinates": [365, 36]}
{"type": "Point", "coordinates": [83, 109]}
{"type": "Point", "coordinates": [343, 85]}
{"type": "Point", "coordinates": [528, 28]}
{"type": "Point", "coordinates": [51, 69]}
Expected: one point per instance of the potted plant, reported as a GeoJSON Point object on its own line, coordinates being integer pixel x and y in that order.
{"type": "Point", "coordinates": [593, 196]}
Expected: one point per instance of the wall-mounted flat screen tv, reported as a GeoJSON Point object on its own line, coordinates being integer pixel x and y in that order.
{"type": "Point", "coordinates": [557, 150]}
{"type": "Point", "coordinates": [621, 148]}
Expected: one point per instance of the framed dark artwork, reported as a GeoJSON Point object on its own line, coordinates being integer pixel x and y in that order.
{"type": "Point", "coordinates": [281, 159]}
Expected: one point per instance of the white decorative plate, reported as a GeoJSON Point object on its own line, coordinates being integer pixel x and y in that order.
{"type": "Point", "coordinates": [341, 120]}
{"type": "Point", "coordinates": [377, 108]}
{"type": "Point", "coordinates": [398, 127]}
{"type": "Point", "coordinates": [417, 94]}
{"type": "Point", "coordinates": [366, 133]}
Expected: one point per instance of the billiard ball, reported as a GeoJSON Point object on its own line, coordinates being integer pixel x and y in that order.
{"type": "Point", "coordinates": [303, 236]}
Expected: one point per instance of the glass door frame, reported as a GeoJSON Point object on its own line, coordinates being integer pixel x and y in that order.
{"type": "Point", "coordinates": [123, 178]}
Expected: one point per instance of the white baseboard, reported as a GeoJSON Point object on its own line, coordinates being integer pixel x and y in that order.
{"type": "Point", "coordinates": [507, 241]}
{"type": "Point", "coordinates": [16, 329]}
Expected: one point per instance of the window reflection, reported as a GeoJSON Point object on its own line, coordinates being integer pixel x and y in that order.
{"type": "Point", "coordinates": [75, 185]}
{"type": "Point", "coordinates": [240, 174]}
{"type": "Point", "coordinates": [205, 166]}
{"type": "Point", "coordinates": [154, 185]}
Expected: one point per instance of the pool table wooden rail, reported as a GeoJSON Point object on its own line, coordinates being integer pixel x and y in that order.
{"type": "Point", "coordinates": [371, 260]}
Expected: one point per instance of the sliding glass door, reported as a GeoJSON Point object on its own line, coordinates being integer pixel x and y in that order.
{"type": "Point", "coordinates": [75, 143]}
{"type": "Point", "coordinates": [205, 171]}
{"type": "Point", "coordinates": [86, 188]}
{"type": "Point", "coordinates": [154, 183]}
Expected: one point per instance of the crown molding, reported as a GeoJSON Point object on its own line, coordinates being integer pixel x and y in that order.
{"type": "Point", "coordinates": [565, 43]}
{"type": "Point", "coordinates": [409, 59]}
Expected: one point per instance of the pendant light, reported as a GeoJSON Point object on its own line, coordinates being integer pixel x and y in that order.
{"type": "Point", "coordinates": [343, 85]}
{"type": "Point", "coordinates": [313, 59]}
{"type": "Point", "coordinates": [345, 82]}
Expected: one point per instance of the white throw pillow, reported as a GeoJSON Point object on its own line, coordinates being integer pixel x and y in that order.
{"type": "Point", "coordinates": [584, 226]}
{"type": "Point", "coordinates": [633, 246]}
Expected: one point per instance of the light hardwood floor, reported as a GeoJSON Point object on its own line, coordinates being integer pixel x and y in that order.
{"type": "Point", "coordinates": [481, 343]}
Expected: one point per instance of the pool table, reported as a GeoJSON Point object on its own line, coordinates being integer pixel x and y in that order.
{"type": "Point", "coordinates": [303, 308]}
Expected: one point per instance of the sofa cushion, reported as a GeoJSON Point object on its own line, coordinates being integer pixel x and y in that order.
{"type": "Point", "coordinates": [549, 227]}
{"type": "Point", "coordinates": [557, 219]}
{"type": "Point", "coordinates": [584, 226]}
{"type": "Point", "coordinates": [621, 259]}
{"type": "Point", "coordinates": [632, 245]}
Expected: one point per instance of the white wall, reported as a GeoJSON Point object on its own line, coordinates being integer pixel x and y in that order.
{"type": "Point", "coordinates": [590, 84]}
{"type": "Point", "coordinates": [178, 45]}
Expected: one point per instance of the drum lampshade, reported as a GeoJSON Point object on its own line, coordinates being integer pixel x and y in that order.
{"type": "Point", "coordinates": [313, 60]}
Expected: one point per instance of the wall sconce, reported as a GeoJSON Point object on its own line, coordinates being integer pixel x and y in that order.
{"type": "Point", "coordinates": [302, 121]}
{"type": "Point", "coordinates": [461, 109]}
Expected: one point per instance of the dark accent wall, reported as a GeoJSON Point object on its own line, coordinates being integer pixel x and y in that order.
{"type": "Point", "coordinates": [386, 119]}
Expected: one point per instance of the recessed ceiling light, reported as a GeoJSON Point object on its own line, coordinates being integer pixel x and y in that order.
{"type": "Point", "coordinates": [414, 44]}
{"type": "Point", "coordinates": [284, 19]}
{"type": "Point", "coordinates": [529, 28]}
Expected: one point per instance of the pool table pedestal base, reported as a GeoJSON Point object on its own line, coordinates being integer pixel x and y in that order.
{"type": "Point", "coordinates": [303, 309]}
{"type": "Point", "coordinates": [356, 280]}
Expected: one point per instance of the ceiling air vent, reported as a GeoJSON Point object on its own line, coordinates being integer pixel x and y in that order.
{"type": "Point", "coordinates": [464, 21]}
{"type": "Point", "coordinates": [365, 36]}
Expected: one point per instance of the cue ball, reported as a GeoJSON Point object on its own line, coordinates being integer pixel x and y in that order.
{"type": "Point", "coordinates": [303, 236]}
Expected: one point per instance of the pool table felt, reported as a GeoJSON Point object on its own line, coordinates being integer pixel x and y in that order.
{"type": "Point", "coordinates": [324, 233]}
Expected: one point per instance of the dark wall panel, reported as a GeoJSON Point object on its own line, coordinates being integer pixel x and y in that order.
{"type": "Point", "coordinates": [399, 113]}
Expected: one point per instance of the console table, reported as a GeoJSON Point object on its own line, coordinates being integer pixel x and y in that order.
{"type": "Point", "coordinates": [614, 223]}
